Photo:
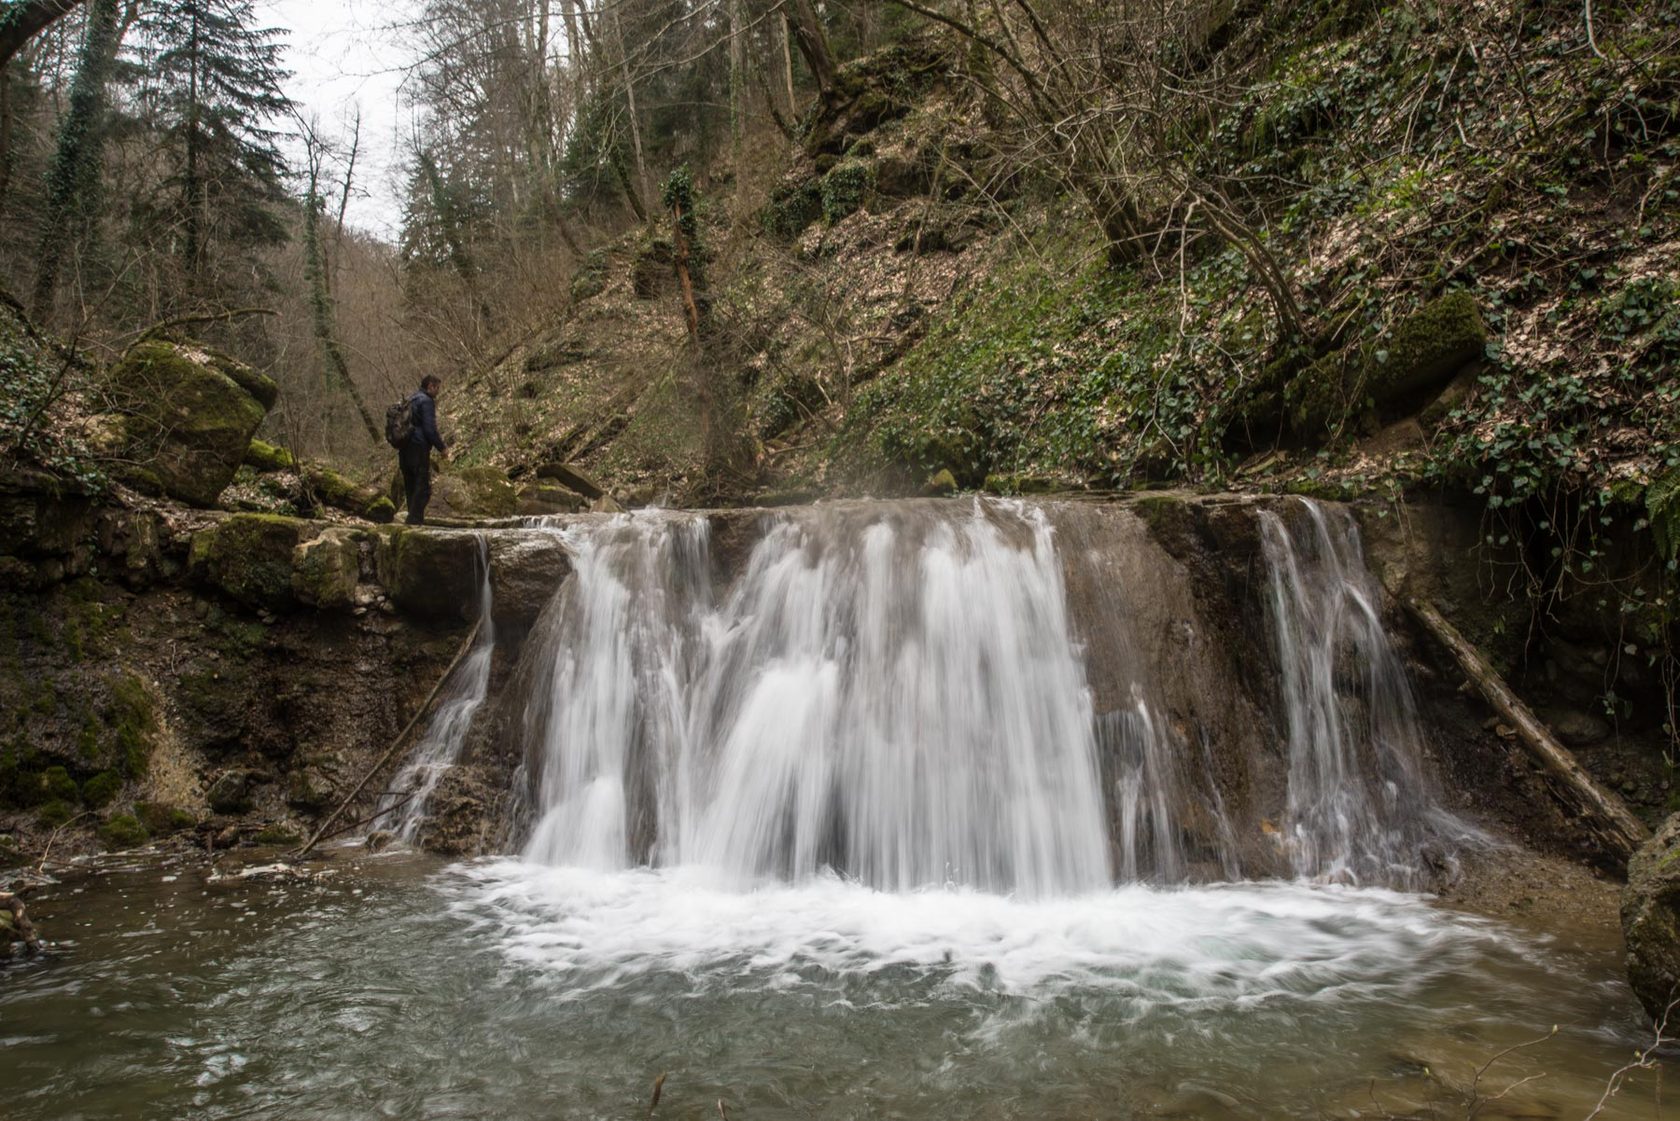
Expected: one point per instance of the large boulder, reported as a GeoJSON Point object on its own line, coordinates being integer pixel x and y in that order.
{"type": "Point", "coordinates": [526, 569]}
{"type": "Point", "coordinates": [188, 415]}
{"type": "Point", "coordinates": [1651, 921]}
{"type": "Point", "coordinates": [433, 573]}
{"type": "Point", "coordinates": [1391, 376]}
{"type": "Point", "coordinates": [327, 567]}
{"type": "Point", "coordinates": [473, 492]}
{"type": "Point", "coordinates": [249, 557]}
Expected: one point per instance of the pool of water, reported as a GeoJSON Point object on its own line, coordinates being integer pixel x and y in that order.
{"type": "Point", "coordinates": [395, 987]}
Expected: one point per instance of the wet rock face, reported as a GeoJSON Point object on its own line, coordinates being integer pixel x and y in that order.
{"type": "Point", "coordinates": [431, 573]}
{"type": "Point", "coordinates": [188, 415]}
{"type": "Point", "coordinates": [526, 569]}
{"type": "Point", "coordinates": [1651, 921]}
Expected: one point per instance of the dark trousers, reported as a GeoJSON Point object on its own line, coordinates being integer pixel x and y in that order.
{"type": "Point", "coordinates": [416, 463]}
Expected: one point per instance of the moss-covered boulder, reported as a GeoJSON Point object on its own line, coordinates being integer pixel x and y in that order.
{"type": "Point", "coordinates": [1390, 376]}
{"type": "Point", "coordinates": [473, 492]}
{"type": "Point", "coordinates": [327, 567]}
{"type": "Point", "coordinates": [189, 415]}
{"type": "Point", "coordinates": [265, 456]}
{"type": "Point", "coordinates": [433, 573]}
{"type": "Point", "coordinates": [249, 557]}
{"type": "Point", "coordinates": [123, 831]}
{"type": "Point", "coordinates": [1651, 921]}
{"type": "Point", "coordinates": [231, 792]}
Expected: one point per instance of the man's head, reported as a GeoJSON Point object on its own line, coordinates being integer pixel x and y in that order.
{"type": "Point", "coordinates": [430, 384]}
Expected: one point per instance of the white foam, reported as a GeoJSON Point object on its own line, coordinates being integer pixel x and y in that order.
{"type": "Point", "coordinates": [1191, 948]}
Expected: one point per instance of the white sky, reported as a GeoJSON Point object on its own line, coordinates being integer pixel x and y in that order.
{"type": "Point", "coordinates": [345, 55]}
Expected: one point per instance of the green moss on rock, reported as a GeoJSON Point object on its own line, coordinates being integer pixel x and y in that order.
{"type": "Point", "coordinates": [846, 188]}
{"type": "Point", "coordinates": [268, 457]}
{"type": "Point", "coordinates": [161, 819]}
{"type": "Point", "coordinates": [474, 492]}
{"type": "Point", "coordinates": [1423, 352]}
{"type": "Point", "coordinates": [249, 557]}
{"type": "Point", "coordinates": [277, 835]}
{"type": "Point", "coordinates": [123, 831]}
{"type": "Point", "coordinates": [190, 416]}
{"type": "Point", "coordinates": [429, 572]}
{"type": "Point", "coordinates": [57, 785]}
{"type": "Point", "coordinates": [101, 790]}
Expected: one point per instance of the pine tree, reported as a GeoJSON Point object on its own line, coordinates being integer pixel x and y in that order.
{"type": "Point", "coordinates": [217, 93]}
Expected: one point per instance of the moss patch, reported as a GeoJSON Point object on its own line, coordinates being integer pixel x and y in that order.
{"type": "Point", "coordinates": [249, 557]}
{"type": "Point", "coordinates": [123, 831]}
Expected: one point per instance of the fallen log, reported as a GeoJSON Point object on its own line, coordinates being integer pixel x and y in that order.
{"type": "Point", "coordinates": [1604, 816]}
{"type": "Point", "coordinates": [396, 744]}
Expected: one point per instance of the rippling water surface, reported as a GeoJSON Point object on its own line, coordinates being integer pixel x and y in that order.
{"type": "Point", "coordinates": [503, 990]}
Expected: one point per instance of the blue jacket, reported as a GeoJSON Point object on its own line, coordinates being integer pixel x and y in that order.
{"type": "Point", "coordinates": [423, 411]}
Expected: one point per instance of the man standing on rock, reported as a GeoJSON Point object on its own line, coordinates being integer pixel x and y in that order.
{"type": "Point", "coordinates": [415, 457]}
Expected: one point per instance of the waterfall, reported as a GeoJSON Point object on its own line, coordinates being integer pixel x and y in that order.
{"type": "Point", "coordinates": [896, 693]}
{"type": "Point", "coordinates": [902, 703]}
{"type": "Point", "coordinates": [1361, 805]}
{"type": "Point", "coordinates": [439, 749]}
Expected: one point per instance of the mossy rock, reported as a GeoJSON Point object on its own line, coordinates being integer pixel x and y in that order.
{"type": "Point", "coordinates": [431, 573]}
{"type": "Point", "coordinates": [123, 831]}
{"type": "Point", "coordinates": [1651, 920]}
{"type": "Point", "coordinates": [941, 483]}
{"type": "Point", "coordinates": [474, 492]}
{"type": "Point", "coordinates": [231, 792]}
{"type": "Point", "coordinates": [846, 188]}
{"type": "Point", "coordinates": [269, 457]}
{"type": "Point", "coordinates": [326, 569]}
{"type": "Point", "coordinates": [190, 415]}
{"type": "Point", "coordinates": [161, 819]}
{"type": "Point", "coordinates": [792, 207]}
{"type": "Point", "coordinates": [54, 813]}
{"type": "Point", "coordinates": [101, 790]}
{"type": "Point", "coordinates": [249, 557]}
{"type": "Point", "coordinates": [277, 835]}
{"type": "Point", "coordinates": [341, 493]}
{"type": "Point", "coordinates": [57, 785]}
{"type": "Point", "coordinates": [1387, 377]}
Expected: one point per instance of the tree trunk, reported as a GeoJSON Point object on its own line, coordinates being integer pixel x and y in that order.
{"type": "Point", "coordinates": [813, 44]}
{"type": "Point", "coordinates": [22, 20]}
{"type": "Point", "coordinates": [320, 304]}
{"type": "Point", "coordinates": [1604, 816]}
{"type": "Point", "coordinates": [74, 173]}
{"type": "Point", "coordinates": [639, 204]}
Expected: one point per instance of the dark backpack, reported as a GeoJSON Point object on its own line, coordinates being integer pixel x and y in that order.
{"type": "Point", "coordinates": [399, 423]}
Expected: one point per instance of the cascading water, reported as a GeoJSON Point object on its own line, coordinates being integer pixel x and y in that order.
{"type": "Point", "coordinates": [903, 704]}
{"type": "Point", "coordinates": [898, 694]}
{"type": "Point", "coordinates": [1361, 805]}
{"type": "Point", "coordinates": [411, 791]}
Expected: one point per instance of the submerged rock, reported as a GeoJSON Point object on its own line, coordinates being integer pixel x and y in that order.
{"type": "Point", "coordinates": [1651, 921]}
{"type": "Point", "coordinates": [15, 927]}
